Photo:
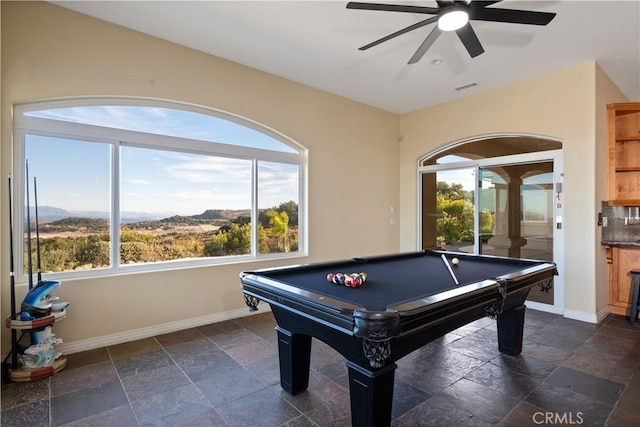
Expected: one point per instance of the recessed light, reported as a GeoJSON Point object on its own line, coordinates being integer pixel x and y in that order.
{"type": "Point", "coordinates": [437, 61]}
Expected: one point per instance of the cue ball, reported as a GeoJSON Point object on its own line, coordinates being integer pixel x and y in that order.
{"type": "Point", "coordinates": [455, 261]}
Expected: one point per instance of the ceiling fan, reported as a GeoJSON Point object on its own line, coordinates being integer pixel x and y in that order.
{"type": "Point", "coordinates": [454, 15]}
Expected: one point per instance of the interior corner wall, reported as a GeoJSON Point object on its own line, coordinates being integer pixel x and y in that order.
{"type": "Point", "coordinates": [606, 93]}
{"type": "Point", "coordinates": [49, 52]}
{"type": "Point", "coordinates": [559, 105]}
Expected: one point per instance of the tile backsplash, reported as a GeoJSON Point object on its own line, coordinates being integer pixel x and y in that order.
{"type": "Point", "coordinates": [620, 224]}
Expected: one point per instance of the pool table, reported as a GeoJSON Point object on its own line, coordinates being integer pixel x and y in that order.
{"type": "Point", "coordinates": [407, 301]}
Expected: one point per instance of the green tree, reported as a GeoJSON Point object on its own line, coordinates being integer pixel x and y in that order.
{"type": "Point", "coordinates": [279, 222]}
{"type": "Point", "coordinates": [263, 240]}
{"type": "Point", "coordinates": [242, 220]}
{"type": "Point", "coordinates": [290, 207]}
{"type": "Point", "coordinates": [236, 240]}
{"type": "Point", "coordinates": [129, 235]}
{"type": "Point", "coordinates": [135, 252]}
{"type": "Point", "coordinates": [453, 191]}
{"type": "Point", "coordinates": [456, 214]}
{"type": "Point", "coordinates": [455, 217]}
{"type": "Point", "coordinates": [487, 221]}
{"type": "Point", "coordinates": [56, 260]}
{"type": "Point", "coordinates": [95, 252]}
{"type": "Point", "coordinates": [171, 250]}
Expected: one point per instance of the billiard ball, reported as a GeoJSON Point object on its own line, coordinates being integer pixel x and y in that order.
{"type": "Point", "coordinates": [455, 261]}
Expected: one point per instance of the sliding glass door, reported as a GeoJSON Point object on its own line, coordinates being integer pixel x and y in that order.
{"type": "Point", "coordinates": [510, 207]}
{"type": "Point", "coordinates": [518, 202]}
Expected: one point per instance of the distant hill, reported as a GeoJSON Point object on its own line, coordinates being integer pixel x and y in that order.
{"type": "Point", "coordinates": [55, 220]}
{"type": "Point", "coordinates": [93, 225]}
{"type": "Point", "coordinates": [80, 222]}
{"type": "Point", "coordinates": [213, 216]}
{"type": "Point", "coordinates": [51, 213]}
{"type": "Point", "coordinates": [221, 214]}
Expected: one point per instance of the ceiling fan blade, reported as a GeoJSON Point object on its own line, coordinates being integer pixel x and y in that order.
{"type": "Point", "coordinates": [426, 44]}
{"type": "Point", "coordinates": [512, 16]}
{"type": "Point", "coordinates": [392, 7]}
{"type": "Point", "coordinates": [400, 32]}
{"type": "Point", "coordinates": [480, 4]}
{"type": "Point", "coordinates": [470, 40]}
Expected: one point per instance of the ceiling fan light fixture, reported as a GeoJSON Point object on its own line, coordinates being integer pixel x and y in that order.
{"type": "Point", "coordinates": [453, 19]}
{"type": "Point", "coordinates": [453, 15]}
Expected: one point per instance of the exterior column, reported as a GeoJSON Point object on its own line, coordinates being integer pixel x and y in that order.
{"type": "Point", "coordinates": [508, 240]}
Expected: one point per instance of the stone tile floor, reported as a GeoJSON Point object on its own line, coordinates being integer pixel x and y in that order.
{"type": "Point", "coordinates": [226, 374]}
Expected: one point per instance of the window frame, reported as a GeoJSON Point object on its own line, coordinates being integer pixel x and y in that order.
{"type": "Point", "coordinates": [24, 125]}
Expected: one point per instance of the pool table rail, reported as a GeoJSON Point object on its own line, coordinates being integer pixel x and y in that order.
{"type": "Point", "coordinates": [332, 313]}
{"type": "Point", "coordinates": [528, 277]}
{"type": "Point", "coordinates": [358, 321]}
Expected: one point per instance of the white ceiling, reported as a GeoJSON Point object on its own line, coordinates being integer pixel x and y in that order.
{"type": "Point", "coordinates": [316, 43]}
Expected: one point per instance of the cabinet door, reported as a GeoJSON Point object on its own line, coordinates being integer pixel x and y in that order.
{"type": "Point", "coordinates": [627, 260]}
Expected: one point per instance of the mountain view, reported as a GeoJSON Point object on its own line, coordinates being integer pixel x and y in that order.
{"type": "Point", "coordinates": [55, 220]}
{"type": "Point", "coordinates": [50, 213]}
{"type": "Point", "coordinates": [82, 240]}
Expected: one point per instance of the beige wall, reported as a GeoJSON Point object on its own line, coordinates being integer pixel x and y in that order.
{"type": "Point", "coordinates": [50, 52]}
{"type": "Point", "coordinates": [560, 105]}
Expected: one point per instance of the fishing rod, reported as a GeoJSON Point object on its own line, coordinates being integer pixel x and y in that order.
{"type": "Point", "coordinates": [14, 333]}
{"type": "Point", "coordinates": [35, 201]}
{"type": "Point", "coordinates": [29, 262]}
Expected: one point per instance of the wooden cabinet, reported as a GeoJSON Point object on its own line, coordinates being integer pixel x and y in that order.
{"type": "Point", "coordinates": [624, 190]}
{"type": "Point", "coordinates": [622, 261]}
{"type": "Point", "coordinates": [624, 153]}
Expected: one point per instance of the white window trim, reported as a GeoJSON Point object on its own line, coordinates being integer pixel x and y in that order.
{"type": "Point", "coordinates": [31, 125]}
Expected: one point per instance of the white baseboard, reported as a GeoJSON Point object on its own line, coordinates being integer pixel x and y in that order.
{"type": "Point", "coordinates": [541, 307]}
{"type": "Point", "coordinates": [571, 314]}
{"type": "Point", "coordinates": [165, 328]}
{"type": "Point", "coordinates": [586, 317]}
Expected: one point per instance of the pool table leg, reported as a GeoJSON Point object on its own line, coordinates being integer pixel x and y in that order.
{"type": "Point", "coordinates": [510, 330]}
{"type": "Point", "coordinates": [371, 395]}
{"type": "Point", "coordinates": [295, 357]}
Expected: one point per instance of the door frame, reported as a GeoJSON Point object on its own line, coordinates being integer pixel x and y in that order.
{"type": "Point", "coordinates": [554, 156]}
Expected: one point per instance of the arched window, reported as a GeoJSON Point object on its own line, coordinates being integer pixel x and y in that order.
{"type": "Point", "coordinates": [140, 185]}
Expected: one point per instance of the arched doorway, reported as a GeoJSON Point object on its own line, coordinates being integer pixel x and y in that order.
{"type": "Point", "coordinates": [496, 195]}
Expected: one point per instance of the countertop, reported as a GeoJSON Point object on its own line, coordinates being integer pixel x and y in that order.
{"type": "Point", "coordinates": [620, 244]}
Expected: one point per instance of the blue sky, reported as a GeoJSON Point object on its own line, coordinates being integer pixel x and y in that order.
{"type": "Point", "coordinates": [75, 175]}
{"type": "Point", "coordinates": [166, 121]}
